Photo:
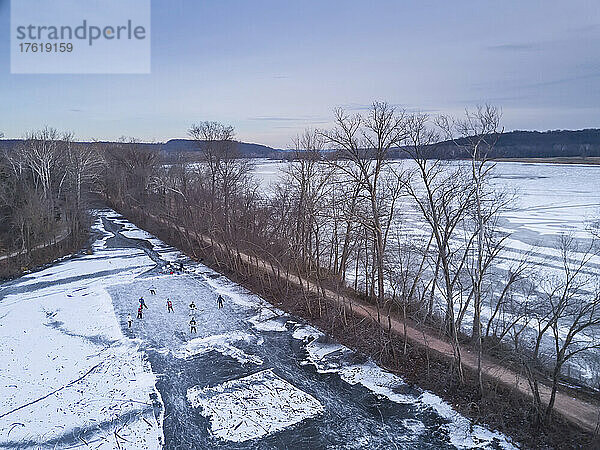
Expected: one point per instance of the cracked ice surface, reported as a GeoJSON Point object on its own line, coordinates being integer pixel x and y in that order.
{"type": "Point", "coordinates": [253, 406]}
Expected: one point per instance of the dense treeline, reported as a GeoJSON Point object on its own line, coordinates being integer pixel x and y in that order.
{"type": "Point", "coordinates": [514, 144]}
{"type": "Point", "coordinates": [417, 240]}
{"type": "Point", "coordinates": [527, 144]}
{"type": "Point", "coordinates": [43, 201]}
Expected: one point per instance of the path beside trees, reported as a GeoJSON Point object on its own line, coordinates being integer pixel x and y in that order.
{"type": "Point", "coordinates": [576, 411]}
{"type": "Point", "coordinates": [56, 240]}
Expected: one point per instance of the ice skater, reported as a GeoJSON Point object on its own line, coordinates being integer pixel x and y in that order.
{"type": "Point", "coordinates": [143, 303]}
{"type": "Point", "coordinates": [192, 308]}
{"type": "Point", "coordinates": [140, 315]}
{"type": "Point", "coordinates": [193, 326]}
{"type": "Point", "coordinates": [181, 267]}
{"type": "Point", "coordinates": [152, 291]}
{"type": "Point", "coordinates": [129, 320]}
{"type": "Point", "coordinates": [169, 306]}
{"type": "Point", "coordinates": [219, 302]}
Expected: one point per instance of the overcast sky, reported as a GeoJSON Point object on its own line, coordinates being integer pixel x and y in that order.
{"type": "Point", "coordinates": [272, 68]}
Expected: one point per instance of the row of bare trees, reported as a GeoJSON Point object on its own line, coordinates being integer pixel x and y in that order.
{"type": "Point", "coordinates": [421, 240]}
{"type": "Point", "coordinates": [356, 204]}
{"type": "Point", "coordinates": [44, 181]}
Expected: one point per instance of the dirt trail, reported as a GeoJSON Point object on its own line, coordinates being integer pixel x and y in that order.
{"type": "Point", "coordinates": [576, 411]}
{"type": "Point", "coordinates": [579, 412]}
{"type": "Point", "coordinates": [55, 240]}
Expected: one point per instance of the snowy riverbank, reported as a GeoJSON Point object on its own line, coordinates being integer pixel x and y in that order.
{"type": "Point", "coordinates": [63, 353]}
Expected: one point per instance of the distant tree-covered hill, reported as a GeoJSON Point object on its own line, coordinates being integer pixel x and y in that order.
{"type": "Point", "coordinates": [246, 149]}
{"type": "Point", "coordinates": [530, 144]}
{"type": "Point", "coordinates": [513, 144]}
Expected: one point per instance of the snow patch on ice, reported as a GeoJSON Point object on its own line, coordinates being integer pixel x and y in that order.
{"type": "Point", "coordinates": [136, 234]}
{"type": "Point", "coordinates": [254, 406]}
{"type": "Point", "coordinates": [376, 380]}
{"type": "Point", "coordinates": [222, 343]}
{"type": "Point", "coordinates": [306, 333]}
{"type": "Point", "coordinates": [268, 320]}
{"type": "Point", "coordinates": [462, 433]}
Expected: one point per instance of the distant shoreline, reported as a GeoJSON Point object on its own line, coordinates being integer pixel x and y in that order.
{"type": "Point", "coordinates": [593, 160]}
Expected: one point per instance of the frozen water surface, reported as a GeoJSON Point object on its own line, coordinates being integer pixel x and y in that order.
{"type": "Point", "coordinates": [251, 377]}
{"type": "Point", "coordinates": [68, 375]}
{"type": "Point", "coordinates": [551, 198]}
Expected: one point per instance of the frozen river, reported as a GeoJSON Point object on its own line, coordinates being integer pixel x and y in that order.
{"type": "Point", "coordinates": [73, 374]}
{"type": "Point", "coordinates": [550, 198]}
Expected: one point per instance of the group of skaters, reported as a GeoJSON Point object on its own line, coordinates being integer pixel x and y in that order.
{"type": "Point", "coordinates": [192, 306]}
{"type": "Point", "coordinates": [172, 268]}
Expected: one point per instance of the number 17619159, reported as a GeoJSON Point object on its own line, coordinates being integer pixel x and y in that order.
{"type": "Point", "coordinates": [47, 47]}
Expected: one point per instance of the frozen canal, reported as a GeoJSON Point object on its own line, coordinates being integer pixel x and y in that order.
{"type": "Point", "coordinates": [73, 374]}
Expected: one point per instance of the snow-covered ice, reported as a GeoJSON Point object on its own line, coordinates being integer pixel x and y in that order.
{"type": "Point", "coordinates": [253, 406]}
{"type": "Point", "coordinates": [223, 343]}
{"type": "Point", "coordinates": [68, 376]}
{"type": "Point", "coordinates": [269, 320]}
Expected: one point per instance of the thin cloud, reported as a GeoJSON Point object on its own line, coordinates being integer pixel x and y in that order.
{"type": "Point", "coordinates": [292, 127]}
{"type": "Point", "coordinates": [398, 106]}
{"type": "Point", "coordinates": [513, 47]}
{"type": "Point", "coordinates": [275, 119]}
{"type": "Point", "coordinates": [492, 100]}
{"type": "Point", "coordinates": [356, 106]}
{"type": "Point", "coordinates": [289, 119]}
{"type": "Point", "coordinates": [562, 80]}
{"type": "Point", "coordinates": [585, 28]}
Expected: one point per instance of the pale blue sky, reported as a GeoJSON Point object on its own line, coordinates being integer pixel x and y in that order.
{"type": "Point", "coordinates": [273, 67]}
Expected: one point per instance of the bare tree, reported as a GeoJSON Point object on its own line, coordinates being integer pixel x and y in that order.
{"type": "Point", "coordinates": [568, 315]}
{"type": "Point", "coordinates": [85, 164]}
{"type": "Point", "coordinates": [226, 170]}
{"type": "Point", "coordinates": [476, 134]}
{"type": "Point", "coordinates": [364, 143]}
{"type": "Point", "coordinates": [443, 195]}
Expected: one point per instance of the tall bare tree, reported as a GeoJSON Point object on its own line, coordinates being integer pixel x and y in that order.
{"type": "Point", "coordinates": [443, 194]}
{"type": "Point", "coordinates": [221, 160]}
{"type": "Point", "coordinates": [365, 143]}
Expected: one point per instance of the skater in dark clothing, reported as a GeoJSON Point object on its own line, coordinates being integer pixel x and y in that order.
{"type": "Point", "coordinates": [193, 326]}
{"type": "Point", "coordinates": [169, 306]}
{"type": "Point", "coordinates": [139, 316]}
{"type": "Point", "coordinates": [152, 291]}
{"type": "Point", "coordinates": [219, 302]}
{"type": "Point", "coordinates": [143, 303]}
{"type": "Point", "coordinates": [192, 308]}
{"type": "Point", "coordinates": [129, 320]}
{"type": "Point", "coordinates": [181, 267]}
